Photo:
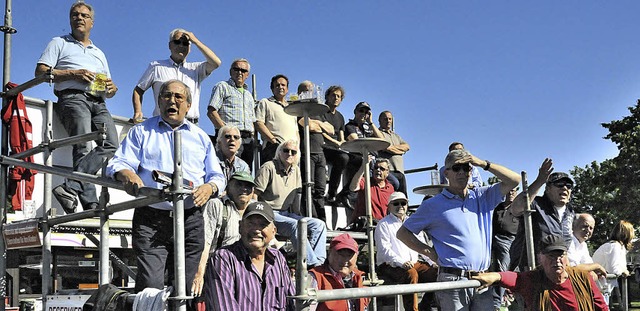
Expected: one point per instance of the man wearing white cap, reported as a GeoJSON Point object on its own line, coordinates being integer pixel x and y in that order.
{"type": "Point", "coordinates": [395, 260]}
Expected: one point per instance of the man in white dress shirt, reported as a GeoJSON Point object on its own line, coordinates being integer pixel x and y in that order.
{"type": "Point", "coordinates": [395, 261]}
{"type": "Point", "coordinates": [578, 253]}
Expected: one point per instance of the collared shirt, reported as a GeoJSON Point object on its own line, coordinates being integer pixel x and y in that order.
{"type": "Point", "coordinates": [396, 162]}
{"type": "Point", "coordinates": [149, 146]}
{"type": "Point", "coordinates": [281, 124]}
{"type": "Point", "coordinates": [234, 105]}
{"type": "Point", "coordinates": [160, 71]}
{"type": "Point", "coordinates": [390, 250]}
{"type": "Point", "coordinates": [276, 184]}
{"type": "Point", "coordinates": [213, 216]}
{"type": "Point", "coordinates": [239, 286]}
{"type": "Point", "coordinates": [230, 167]}
{"type": "Point", "coordinates": [65, 52]}
{"type": "Point", "coordinates": [578, 253]}
{"type": "Point", "coordinates": [460, 228]}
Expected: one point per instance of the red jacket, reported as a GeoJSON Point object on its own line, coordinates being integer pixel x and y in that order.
{"type": "Point", "coordinates": [326, 280]}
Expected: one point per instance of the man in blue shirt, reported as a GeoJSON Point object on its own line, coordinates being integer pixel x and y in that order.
{"type": "Point", "coordinates": [458, 220]}
{"type": "Point", "coordinates": [148, 147]}
{"type": "Point", "coordinates": [82, 82]}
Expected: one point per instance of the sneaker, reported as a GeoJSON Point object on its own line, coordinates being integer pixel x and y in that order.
{"type": "Point", "coordinates": [66, 198]}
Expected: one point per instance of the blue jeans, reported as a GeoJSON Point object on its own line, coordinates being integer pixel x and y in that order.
{"type": "Point", "coordinates": [500, 261]}
{"type": "Point", "coordinates": [465, 299]}
{"type": "Point", "coordinates": [287, 225]}
{"type": "Point", "coordinates": [81, 114]}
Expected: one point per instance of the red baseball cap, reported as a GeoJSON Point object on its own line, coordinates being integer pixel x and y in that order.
{"type": "Point", "coordinates": [344, 241]}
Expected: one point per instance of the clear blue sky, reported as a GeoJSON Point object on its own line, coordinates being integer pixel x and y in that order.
{"type": "Point", "coordinates": [514, 81]}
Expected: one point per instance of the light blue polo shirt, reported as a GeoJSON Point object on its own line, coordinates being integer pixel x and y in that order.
{"type": "Point", "coordinates": [460, 228]}
{"type": "Point", "coordinates": [65, 52]}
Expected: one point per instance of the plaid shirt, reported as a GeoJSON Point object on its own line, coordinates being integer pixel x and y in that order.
{"type": "Point", "coordinates": [235, 106]}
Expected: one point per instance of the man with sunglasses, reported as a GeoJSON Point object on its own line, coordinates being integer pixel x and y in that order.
{"type": "Point", "coordinates": [227, 144]}
{"type": "Point", "coordinates": [380, 188]}
{"type": "Point", "coordinates": [552, 211]}
{"type": "Point", "coordinates": [176, 67]}
{"type": "Point", "coordinates": [75, 65]}
{"type": "Point", "coordinates": [231, 103]}
{"type": "Point", "coordinates": [398, 263]}
{"type": "Point", "coordinates": [458, 220]}
{"type": "Point", "coordinates": [279, 183]}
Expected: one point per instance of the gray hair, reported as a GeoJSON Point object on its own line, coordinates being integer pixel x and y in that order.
{"type": "Point", "coordinates": [165, 85]}
{"type": "Point", "coordinates": [454, 156]}
{"type": "Point", "coordinates": [241, 60]}
{"type": "Point", "coordinates": [282, 145]}
{"type": "Point", "coordinates": [305, 86]}
{"type": "Point", "coordinates": [223, 131]}
{"type": "Point", "coordinates": [173, 32]}
{"type": "Point", "coordinates": [84, 4]}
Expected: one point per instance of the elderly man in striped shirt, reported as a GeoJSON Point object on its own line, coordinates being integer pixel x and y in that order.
{"type": "Point", "coordinates": [249, 275]}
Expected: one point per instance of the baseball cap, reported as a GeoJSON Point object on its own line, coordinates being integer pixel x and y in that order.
{"type": "Point", "coordinates": [344, 241]}
{"type": "Point", "coordinates": [454, 156]}
{"type": "Point", "coordinates": [559, 176]}
{"type": "Point", "coordinates": [362, 105]}
{"type": "Point", "coordinates": [259, 208]}
{"type": "Point", "coordinates": [552, 243]}
{"type": "Point", "coordinates": [397, 196]}
{"type": "Point", "coordinates": [243, 176]}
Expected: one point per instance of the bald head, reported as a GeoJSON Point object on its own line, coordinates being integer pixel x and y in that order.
{"type": "Point", "coordinates": [583, 226]}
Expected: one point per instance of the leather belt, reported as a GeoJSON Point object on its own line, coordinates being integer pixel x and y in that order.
{"type": "Point", "coordinates": [74, 91]}
{"type": "Point", "coordinates": [458, 272]}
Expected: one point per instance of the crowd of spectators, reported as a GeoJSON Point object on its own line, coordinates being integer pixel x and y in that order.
{"type": "Point", "coordinates": [232, 216]}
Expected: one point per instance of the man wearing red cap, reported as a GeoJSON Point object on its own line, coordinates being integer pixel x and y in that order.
{"type": "Point", "coordinates": [340, 271]}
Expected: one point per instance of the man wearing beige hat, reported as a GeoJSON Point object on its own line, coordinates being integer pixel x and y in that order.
{"type": "Point", "coordinates": [340, 271]}
{"type": "Point", "coordinates": [458, 220]}
{"type": "Point", "coordinates": [395, 260]}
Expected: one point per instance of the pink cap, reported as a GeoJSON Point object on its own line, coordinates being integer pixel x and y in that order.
{"type": "Point", "coordinates": [344, 241]}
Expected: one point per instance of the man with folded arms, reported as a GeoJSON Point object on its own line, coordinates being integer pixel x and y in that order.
{"type": "Point", "coordinates": [458, 220]}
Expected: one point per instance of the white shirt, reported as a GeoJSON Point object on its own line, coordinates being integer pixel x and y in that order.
{"type": "Point", "coordinates": [578, 253]}
{"type": "Point", "coordinates": [613, 257]}
{"type": "Point", "coordinates": [389, 249]}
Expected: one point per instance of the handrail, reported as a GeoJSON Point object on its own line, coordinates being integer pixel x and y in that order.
{"type": "Point", "coordinates": [27, 85]}
{"type": "Point", "coordinates": [421, 169]}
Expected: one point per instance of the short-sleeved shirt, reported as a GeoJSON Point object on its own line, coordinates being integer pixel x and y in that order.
{"type": "Point", "coordinates": [215, 211]}
{"type": "Point", "coordinates": [396, 163]}
{"type": "Point", "coordinates": [281, 124]}
{"type": "Point", "coordinates": [337, 121]}
{"type": "Point", "coordinates": [276, 184]}
{"type": "Point", "coordinates": [230, 167]}
{"type": "Point", "coordinates": [234, 105]}
{"type": "Point", "coordinates": [363, 130]}
{"type": "Point", "coordinates": [460, 228]}
{"type": "Point", "coordinates": [65, 52]}
{"type": "Point", "coordinates": [379, 199]}
{"type": "Point", "coordinates": [190, 73]}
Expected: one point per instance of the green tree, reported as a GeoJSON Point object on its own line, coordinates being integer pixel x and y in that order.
{"type": "Point", "coordinates": [609, 190]}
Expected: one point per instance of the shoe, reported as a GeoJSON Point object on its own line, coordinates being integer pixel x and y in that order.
{"type": "Point", "coordinates": [344, 200]}
{"type": "Point", "coordinates": [66, 198]}
{"type": "Point", "coordinates": [90, 206]}
{"type": "Point", "coordinates": [330, 199]}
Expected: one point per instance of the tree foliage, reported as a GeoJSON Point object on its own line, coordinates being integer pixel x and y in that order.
{"type": "Point", "coordinates": [609, 190]}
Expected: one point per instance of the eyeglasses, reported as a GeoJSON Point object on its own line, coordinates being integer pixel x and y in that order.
{"type": "Point", "coordinates": [289, 151]}
{"type": "Point", "coordinates": [229, 136]}
{"type": "Point", "coordinates": [179, 97]}
{"type": "Point", "coordinates": [382, 169]}
{"type": "Point", "coordinates": [363, 110]}
{"type": "Point", "coordinates": [181, 42]}
{"type": "Point", "coordinates": [561, 184]}
{"type": "Point", "coordinates": [401, 203]}
{"type": "Point", "coordinates": [237, 69]}
{"type": "Point", "coordinates": [465, 167]}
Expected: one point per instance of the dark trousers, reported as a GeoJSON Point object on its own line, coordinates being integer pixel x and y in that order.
{"type": "Point", "coordinates": [338, 160]}
{"type": "Point", "coordinates": [319, 178]}
{"type": "Point", "coordinates": [81, 114]}
{"type": "Point", "coordinates": [420, 273]}
{"type": "Point", "coordinates": [152, 241]}
{"type": "Point", "coordinates": [268, 152]}
{"type": "Point", "coordinates": [402, 181]}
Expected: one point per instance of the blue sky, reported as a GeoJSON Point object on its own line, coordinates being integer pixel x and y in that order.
{"type": "Point", "coordinates": [514, 81]}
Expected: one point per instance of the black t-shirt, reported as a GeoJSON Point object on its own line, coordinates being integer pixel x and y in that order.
{"type": "Point", "coordinates": [363, 131]}
{"type": "Point", "coordinates": [337, 121]}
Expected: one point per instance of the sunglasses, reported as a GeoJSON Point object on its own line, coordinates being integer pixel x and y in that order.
{"type": "Point", "coordinates": [464, 167]}
{"type": "Point", "coordinates": [561, 184]}
{"type": "Point", "coordinates": [239, 69]}
{"type": "Point", "coordinates": [363, 110]}
{"type": "Point", "coordinates": [382, 169]}
{"type": "Point", "coordinates": [181, 42]}
{"type": "Point", "coordinates": [229, 136]}
{"type": "Point", "coordinates": [289, 151]}
{"type": "Point", "coordinates": [402, 203]}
